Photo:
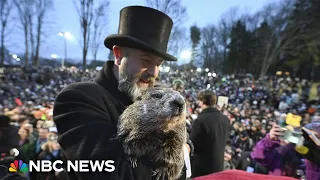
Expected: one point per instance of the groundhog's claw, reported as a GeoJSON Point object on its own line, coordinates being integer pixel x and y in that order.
{"type": "Point", "coordinates": [133, 162]}
{"type": "Point", "coordinates": [159, 174]}
{"type": "Point", "coordinates": [155, 172]}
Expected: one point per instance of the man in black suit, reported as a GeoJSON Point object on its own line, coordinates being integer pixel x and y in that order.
{"type": "Point", "coordinates": [86, 114]}
{"type": "Point", "coordinates": [209, 135]}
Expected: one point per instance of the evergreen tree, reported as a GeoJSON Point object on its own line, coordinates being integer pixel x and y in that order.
{"type": "Point", "coordinates": [195, 35]}
{"type": "Point", "coordinates": [240, 49]}
{"type": "Point", "coordinates": [260, 40]}
{"type": "Point", "coordinates": [304, 52]}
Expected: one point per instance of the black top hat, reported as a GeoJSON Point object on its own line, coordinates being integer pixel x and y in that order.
{"type": "Point", "coordinates": [143, 28]}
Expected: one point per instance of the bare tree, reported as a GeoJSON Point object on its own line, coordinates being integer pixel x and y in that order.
{"type": "Point", "coordinates": [227, 20]}
{"type": "Point", "coordinates": [210, 47]}
{"type": "Point", "coordinates": [99, 26]}
{"type": "Point", "coordinates": [178, 14]}
{"type": "Point", "coordinates": [85, 9]}
{"type": "Point", "coordinates": [41, 9]}
{"type": "Point", "coordinates": [172, 8]}
{"type": "Point", "coordinates": [283, 34]}
{"type": "Point", "coordinates": [31, 34]}
{"type": "Point", "coordinates": [24, 8]}
{"type": "Point", "coordinates": [215, 39]}
{"type": "Point", "coordinates": [178, 41]}
{"type": "Point", "coordinates": [252, 21]}
{"type": "Point", "coordinates": [5, 10]}
{"type": "Point", "coordinates": [207, 44]}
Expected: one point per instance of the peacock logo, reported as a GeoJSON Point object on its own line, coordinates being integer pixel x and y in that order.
{"type": "Point", "coordinates": [18, 166]}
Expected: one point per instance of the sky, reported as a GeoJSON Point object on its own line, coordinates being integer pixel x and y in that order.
{"type": "Point", "coordinates": [64, 18]}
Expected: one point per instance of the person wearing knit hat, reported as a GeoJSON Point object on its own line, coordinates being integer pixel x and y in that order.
{"type": "Point", "coordinates": [53, 129]}
{"type": "Point", "coordinates": [178, 85]}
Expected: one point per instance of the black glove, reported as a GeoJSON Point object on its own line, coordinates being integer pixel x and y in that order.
{"type": "Point", "coordinates": [314, 151]}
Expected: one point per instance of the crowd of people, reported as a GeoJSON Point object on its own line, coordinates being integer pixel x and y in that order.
{"type": "Point", "coordinates": [255, 107]}
{"type": "Point", "coordinates": [256, 110]}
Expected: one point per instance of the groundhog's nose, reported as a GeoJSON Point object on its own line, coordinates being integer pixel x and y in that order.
{"type": "Point", "coordinates": [177, 104]}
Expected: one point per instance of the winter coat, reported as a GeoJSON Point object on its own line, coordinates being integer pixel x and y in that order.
{"type": "Point", "coordinates": [86, 115]}
{"type": "Point", "coordinates": [209, 135]}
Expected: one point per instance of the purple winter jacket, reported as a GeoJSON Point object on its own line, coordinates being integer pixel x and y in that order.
{"type": "Point", "coordinates": [266, 153]}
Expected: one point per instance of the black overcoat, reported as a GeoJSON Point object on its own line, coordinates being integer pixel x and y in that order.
{"type": "Point", "coordinates": [209, 135]}
{"type": "Point", "coordinates": [86, 116]}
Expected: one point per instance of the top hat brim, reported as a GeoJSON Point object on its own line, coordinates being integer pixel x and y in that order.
{"type": "Point", "coordinates": [129, 41]}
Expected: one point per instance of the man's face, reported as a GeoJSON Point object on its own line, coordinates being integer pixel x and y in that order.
{"type": "Point", "coordinates": [43, 133]}
{"type": "Point", "coordinates": [23, 133]}
{"type": "Point", "coordinates": [138, 71]}
{"type": "Point", "coordinates": [254, 129]}
{"type": "Point", "coordinates": [243, 138]}
{"type": "Point", "coordinates": [179, 88]}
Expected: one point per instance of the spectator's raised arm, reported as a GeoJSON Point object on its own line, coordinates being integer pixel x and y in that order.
{"type": "Point", "coordinates": [265, 151]}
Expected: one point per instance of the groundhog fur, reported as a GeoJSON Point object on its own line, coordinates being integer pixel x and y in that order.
{"type": "Point", "coordinates": [154, 128]}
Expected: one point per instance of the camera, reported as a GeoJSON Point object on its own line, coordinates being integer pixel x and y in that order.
{"type": "Point", "coordinates": [291, 135]}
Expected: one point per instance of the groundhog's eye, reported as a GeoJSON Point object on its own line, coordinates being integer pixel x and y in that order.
{"type": "Point", "coordinates": [157, 96]}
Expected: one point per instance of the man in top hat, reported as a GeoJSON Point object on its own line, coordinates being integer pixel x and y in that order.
{"type": "Point", "coordinates": [86, 113]}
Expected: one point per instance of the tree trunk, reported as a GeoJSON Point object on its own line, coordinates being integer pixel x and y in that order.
{"type": "Point", "coordinates": [26, 55]}
{"type": "Point", "coordinates": [262, 68]}
{"type": "Point", "coordinates": [36, 58]}
{"type": "Point", "coordinates": [84, 50]}
{"type": "Point", "coordinates": [2, 46]}
{"type": "Point", "coordinates": [31, 39]}
{"type": "Point", "coordinates": [85, 47]}
{"type": "Point", "coordinates": [95, 58]}
{"type": "Point", "coordinates": [84, 61]}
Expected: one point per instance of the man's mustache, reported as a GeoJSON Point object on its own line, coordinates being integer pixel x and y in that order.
{"type": "Point", "coordinates": [146, 78]}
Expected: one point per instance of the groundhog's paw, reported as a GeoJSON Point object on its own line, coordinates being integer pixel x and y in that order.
{"type": "Point", "coordinates": [133, 162]}
{"type": "Point", "coordinates": [155, 172]}
{"type": "Point", "coordinates": [159, 173]}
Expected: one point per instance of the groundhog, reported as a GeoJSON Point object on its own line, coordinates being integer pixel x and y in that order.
{"type": "Point", "coordinates": [153, 128]}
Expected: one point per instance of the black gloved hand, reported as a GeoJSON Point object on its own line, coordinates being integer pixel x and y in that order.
{"type": "Point", "coordinates": [314, 151]}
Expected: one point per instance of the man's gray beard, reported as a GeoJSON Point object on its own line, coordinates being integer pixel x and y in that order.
{"type": "Point", "coordinates": [127, 83]}
{"type": "Point", "coordinates": [129, 88]}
